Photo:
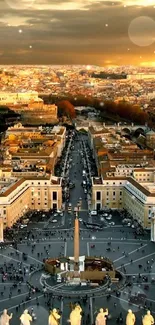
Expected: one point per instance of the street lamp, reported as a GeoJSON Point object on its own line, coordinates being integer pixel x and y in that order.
{"type": "Point", "coordinates": [1, 227]}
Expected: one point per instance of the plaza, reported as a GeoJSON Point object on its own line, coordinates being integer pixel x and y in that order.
{"type": "Point", "coordinates": [24, 283]}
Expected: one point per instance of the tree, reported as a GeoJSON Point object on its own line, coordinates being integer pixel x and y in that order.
{"type": "Point", "coordinates": [65, 108]}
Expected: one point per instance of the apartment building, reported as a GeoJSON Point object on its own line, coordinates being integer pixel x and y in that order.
{"type": "Point", "coordinates": [7, 98]}
{"type": "Point", "coordinates": [126, 176]}
{"type": "Point", "coordinates": [26, 147]}
{"type": "Point", "coordinates": [150, 139]}
{"type": "Point", "coordinates": [27, 180]}
{"type": "Point", "coordinates": [125, 193]}
{"type": "Point", "coordinates": [28, 193]}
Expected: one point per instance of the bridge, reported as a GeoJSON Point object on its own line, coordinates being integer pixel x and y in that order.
{"type": "Point", "coordinates": [128, 128]}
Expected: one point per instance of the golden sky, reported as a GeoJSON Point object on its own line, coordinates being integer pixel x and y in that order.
{"type": "Point", "coordinates": [96, 32]}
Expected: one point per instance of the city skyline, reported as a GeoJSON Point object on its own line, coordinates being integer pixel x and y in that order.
{"type": "Point", "coordinates": [104, 33]}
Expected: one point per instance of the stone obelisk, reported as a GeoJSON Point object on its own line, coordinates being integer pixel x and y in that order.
{"type": "Point", "coordinates": [76, 245]}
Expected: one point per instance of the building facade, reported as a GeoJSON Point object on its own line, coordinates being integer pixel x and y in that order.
{"type": "Point", "coordinates": [124, 193]}
{"type": "Point", "coordinates": [19, 196]}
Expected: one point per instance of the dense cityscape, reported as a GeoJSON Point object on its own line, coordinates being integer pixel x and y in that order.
{"type": "Point", "coordinates": [77, 162]}
{"type": "Point", "coordinates": [77, 195]}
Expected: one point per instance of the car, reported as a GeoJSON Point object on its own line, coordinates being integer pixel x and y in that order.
{"type": "Point", "coordinates": [132, 226]}
{"type": "Point", "coordinates": [126, 220]}
{"type": "Point", "coordinates": [25, 221]}
{"type": "Point", "coordinates": [80, 219]}
{"type": "Point", "coordinates": [93, 213]}
{"type": "Point", "coordinates": [23, 226]}
{"type": "Point", "coordinates": [60, 213]}
{"type": "Point", "coordinates": [54, 221]}
{"type": "Point", "coordinates": [129, 224]}
{"type": "Point", "coordinates": [112, 223]}
{"type": "Point", "coordinates": [105, 215]}
{"type": "Point", "coordinates": [85, 191]}
{"type": "Point", "coordinates": [102, 219]}
{"type": "Point", "coordinates": [109, 217]}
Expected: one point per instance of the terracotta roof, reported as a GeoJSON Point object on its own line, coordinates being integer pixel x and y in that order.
{"type": "Point", "coordinates": [140, 187]}
{"type": "Point", "coordinates": [145, 169]}
{"type": "Point", "coordinates": [21, 180]}
{"type": "Point", "coordinates": [12, 188]}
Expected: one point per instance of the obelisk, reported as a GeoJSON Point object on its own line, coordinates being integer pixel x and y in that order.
{"type": "Point", "coordinates": [76, 245]}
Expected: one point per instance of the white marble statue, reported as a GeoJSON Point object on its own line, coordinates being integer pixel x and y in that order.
{"type": "Point", "coordinates": [148, 319]}
{"type": "Point", "coordinates": [25, 318]}
{"type": "Point", "coordinates": [75, 316]}
{"type": "Point", "coordinates": [5, 318]}
{"type": "Point", "coordinates": [54, 317]}
{"type": "Point", "coordinates": [101, 317]}
{"type": "Point", "coordinates": [130, 318]}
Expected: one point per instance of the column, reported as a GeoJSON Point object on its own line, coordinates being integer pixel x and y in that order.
{"type": "Point", "coordinates": [76, 244]}
{"type": "Point", "coordinates": [153, 229]}
{"type": "Point", "coordinates": [1, 229]}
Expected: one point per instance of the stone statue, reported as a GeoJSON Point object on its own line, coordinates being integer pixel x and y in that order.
{"type": "Point", "coordinates": [25, 318]}
{"type": "Point", "coordinates": [54, 317]}
{"type": "Point", "coordinates": [101, 317]}
{"type": "Point", "coordinates": [75, 316]}
{"type": "Point", "coordinates": [130, 318]}
{"type": "Point", "coordinates": [148, 319]}
{"type": "Point", "coordinates": [5, 318]}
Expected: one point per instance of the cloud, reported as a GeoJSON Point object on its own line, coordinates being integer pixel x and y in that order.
{"type": "Point", "coordinates": [14, 20]}
{"type": "Point", "coordinates": [73, 31]}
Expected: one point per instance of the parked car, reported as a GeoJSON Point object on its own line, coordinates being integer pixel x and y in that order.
{"type": "Point", "coordinates": [112, 223]}
{"type": "Point", "coordinates": [109, 217]}
{"type": "Point", "coordinates": [93, 213]}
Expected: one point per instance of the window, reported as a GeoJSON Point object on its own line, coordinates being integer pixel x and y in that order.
{"type": "Point", "coordinates": [98, 196]}
{"type": "Point", "coordinates": [45, 183]}
{"type": "Point", "coordinates": [120, 193]}
{"type": "Point", "coordinates": [32, 183]}
{"type": "Point", "coordinates": [113, 183]}
{"type": "Point", "coordinates": [38, 183]}
{"type": "Point", "coordinates": [4, 211]}
{"type": "Point", "coordinates": [54, 196]}
{"type": "Point", "coordinates": [107, 193]}
{"type": "Point", "coordinates": [113, 193]}
{"type": "Point", "coordinates": [38, 193]}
